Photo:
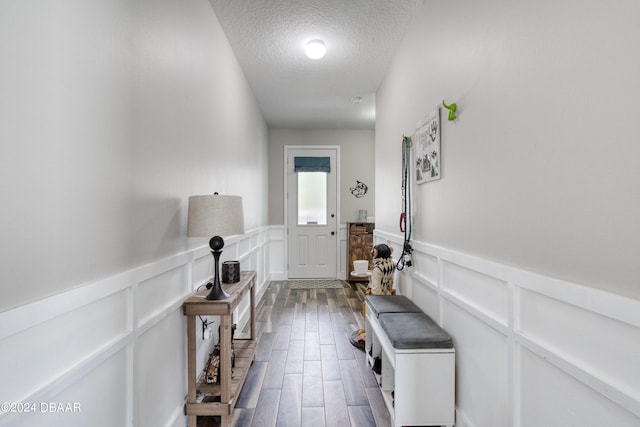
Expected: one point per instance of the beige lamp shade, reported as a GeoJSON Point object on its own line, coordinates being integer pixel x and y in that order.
{"type": "Point", "coordinates": [215, 215]}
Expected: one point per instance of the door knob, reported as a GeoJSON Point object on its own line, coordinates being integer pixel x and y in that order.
{"type": "Point", "coordinates": [333, 215]}
{"type": "Point", "coordinates": [333, 233]}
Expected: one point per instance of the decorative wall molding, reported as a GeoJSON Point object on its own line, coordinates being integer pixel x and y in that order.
{"type": "Point", "coordinates": [140, 304]}
{"type": "Point", "coordinates": [537, 343]}
{"type": "Point", "coordinates": [590, 336]}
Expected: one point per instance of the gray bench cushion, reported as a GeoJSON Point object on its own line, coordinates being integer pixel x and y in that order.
{"type": "Point", "coordinates": [414, 330]}
{"type": "Point", "coordinates": [391, 304]}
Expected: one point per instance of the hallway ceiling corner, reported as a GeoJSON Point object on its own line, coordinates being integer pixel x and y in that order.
{"type": "Point", "coordinates": [294, 91]}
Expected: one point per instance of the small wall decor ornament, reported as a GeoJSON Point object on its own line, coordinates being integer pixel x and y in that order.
{"type": "Point", "coordinates": [360, 190]}
{"type": "Point", "coordinates": [452, 110]}
{"type": "Point", "coordinates": [427, 148]}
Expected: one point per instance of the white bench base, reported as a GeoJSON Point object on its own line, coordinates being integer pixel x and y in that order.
{"type": "Point", "coordinates": [418, 385]}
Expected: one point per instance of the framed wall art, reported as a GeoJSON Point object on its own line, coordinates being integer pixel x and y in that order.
{"type": "Point", "coordinates": [427, 148]}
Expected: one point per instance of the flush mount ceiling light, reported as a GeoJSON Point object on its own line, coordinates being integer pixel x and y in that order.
{"type": "Point", "coordinates": [315, 49]}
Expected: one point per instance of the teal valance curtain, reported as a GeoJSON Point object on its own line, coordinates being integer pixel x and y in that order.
{"type": "Point", "coordinates": [312, 164]}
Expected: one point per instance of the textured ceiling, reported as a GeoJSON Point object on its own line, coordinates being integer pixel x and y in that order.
{"type": "Point", "coordinates": [268, 38]}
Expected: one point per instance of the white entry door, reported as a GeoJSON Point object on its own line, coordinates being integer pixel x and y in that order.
{"type": "Point", "coordinates": [311, 209]}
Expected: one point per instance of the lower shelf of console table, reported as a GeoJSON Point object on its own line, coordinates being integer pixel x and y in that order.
{"type": "Point", "coordinates": [210, 395]}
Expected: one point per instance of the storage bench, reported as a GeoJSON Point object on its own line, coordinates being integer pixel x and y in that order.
{"type": "Point", "coordinates": [413, 360]}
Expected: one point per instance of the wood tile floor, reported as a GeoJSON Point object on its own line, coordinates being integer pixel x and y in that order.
{"type": "Point", "coordinates": [306, 372]}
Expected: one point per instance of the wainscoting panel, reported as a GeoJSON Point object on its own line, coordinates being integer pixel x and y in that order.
{"type": "Point", "coordinates": [425, 294]}
{"type": "Point", "coordinates": [38, 356]}
{"type": "Point", "coordinates": [550, 396]}
{"type": "Point", "coordinates": [116, 347]}
{"type": "Point", "coordinates": [276, 252]}
{"type": "Point", "coordinates": [202, 267]}
{"type": "Point", "coordinates": [483, 292]}
{"type": "Point", "coordinates": [342, 260]}
{"type": "Point", "coordinates": [584, 338]}
{"type": "Point", "coordinates": [245, 245]}
{"type": "Point", "coordinates": [429, 267]}
{"type": "Point", "coordinates": [530, 350]}
{"type": "Point", "coordinates": [482, 382]}
{"type": "Point", "coordinates": [156, 294]}
{"type": "Point", "coordinates": [159, 370]}
{"type": "Point", "coordinates": [100, 397]}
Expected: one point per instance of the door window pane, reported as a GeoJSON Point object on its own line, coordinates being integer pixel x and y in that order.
{"type": "Point", "coordinates": [312, 198]}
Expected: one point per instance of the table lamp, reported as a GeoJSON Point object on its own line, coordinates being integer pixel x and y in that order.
{"type": "Point", "coordinates": [217, 216]}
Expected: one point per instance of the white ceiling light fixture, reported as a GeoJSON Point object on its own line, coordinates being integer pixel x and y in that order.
{"type": "Point", "coordinates": [315, 49]}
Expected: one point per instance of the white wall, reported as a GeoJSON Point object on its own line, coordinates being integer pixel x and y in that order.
{"type": "Point", "coordinates": [539, 170]}
{"type": "Point", "coordinates": [356, 158]}
{"type": "Point", "coordinates": [526, 249]}
{"type": "Point", "coordinates": [113, 113]}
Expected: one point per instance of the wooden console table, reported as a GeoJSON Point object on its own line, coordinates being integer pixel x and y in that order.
{"type": "Point", "coordinates": [220, 399]}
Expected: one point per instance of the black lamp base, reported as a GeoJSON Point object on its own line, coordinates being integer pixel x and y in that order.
{"type": "Point", "coordinates": [217, 293]}
{"type": "Point", "coordinates": [216, 243]}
